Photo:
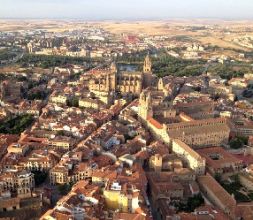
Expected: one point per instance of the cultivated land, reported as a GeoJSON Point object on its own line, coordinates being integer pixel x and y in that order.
{"type": "Point", "coordinates": [199, 29]}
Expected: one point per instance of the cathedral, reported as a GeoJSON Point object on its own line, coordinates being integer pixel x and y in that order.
{"type": "Point", "coordinates": [123, 82]}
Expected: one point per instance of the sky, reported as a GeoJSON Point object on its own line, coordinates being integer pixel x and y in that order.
{"type": "Point", "coordinates": [126, 9]}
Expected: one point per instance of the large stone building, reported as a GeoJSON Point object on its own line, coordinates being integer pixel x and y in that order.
{"type": "Point", "coordinates": [68, 173]}
{"type": "Point", "coordinates": [197, 110]}
{"type": "Point", "coordinates": [21, 183]}
{"type": "Point", "coordinates": [10, 91]}
{"type": "Point", "coordinates": [153, 104]}
{"type": "Point", "coordinates": [201, 133]}
{"type": "Point", "coordinates": [217, 195]}
{"type": "Point", "coordinates": [167, 123]}
{"type": "Point", "coordinates": [114, 80]}
{"type": "Point", "coordinates": [220, 161]}
{"type": "Point", "coordinates": [191, 157]}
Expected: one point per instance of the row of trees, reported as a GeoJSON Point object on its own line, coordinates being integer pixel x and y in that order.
{"type": "Point", "coordinates": [167, 65]}
{"type": "Point", "coordinates": [6, 55]}
{"type": "Point", "coordinates": [45, 61]}
{"type": "Point", "coordinates": [19, 78]}
{"type": "Point", "coordinates": [228, 71]}
{"type": "Point", "coordinates": [164, 64]}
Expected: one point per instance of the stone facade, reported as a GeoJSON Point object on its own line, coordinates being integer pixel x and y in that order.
{"type": "Point", "coordinates": [22, 183]}
{"type": "Point", "coordinates": [191, 157]}
{"type": "Point", "coordinates": [124, 82]}
{"type": "Point", "coordinates": [201, 133]}
{"type": "Point", "coordinates": [166, 123]}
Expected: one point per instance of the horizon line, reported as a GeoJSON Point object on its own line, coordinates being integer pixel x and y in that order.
{"type": "Point", "coordinates": [130, 19]}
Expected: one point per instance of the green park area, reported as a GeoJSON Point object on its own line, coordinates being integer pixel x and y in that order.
{"type": "Point", "coordinates": [16, 124]}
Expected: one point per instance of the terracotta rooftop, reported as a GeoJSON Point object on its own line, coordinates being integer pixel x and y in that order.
{"type": "Point", "coordinates": [221, 194]}
{"type": "Point", "coordinates": [128, 216]}
{"type": "Point", "coordinates": [188, 149]}
{"type": "Point", "coordinates": [223, 157]}
{"type": "Point", "coordinates": [155, 123]}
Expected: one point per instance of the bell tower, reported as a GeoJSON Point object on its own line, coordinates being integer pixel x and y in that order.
{"type": "Point", "coordinates": [145, 106]}
{"type": "Point", "coordinates": [113, 76]}
{"type": "Point", "coordinates": [147, 67]}
{"type": "Point", "coordinates": [147, 72]}
{"type": "Point", "coordinates": [107, 83]}
{"type": "Point", "coordinates": [113, 67]}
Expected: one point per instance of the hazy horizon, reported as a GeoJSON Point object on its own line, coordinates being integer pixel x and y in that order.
{"type": "Point", "coordinates": [126, 10]}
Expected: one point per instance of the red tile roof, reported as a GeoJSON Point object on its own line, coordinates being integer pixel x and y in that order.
{"type": "Point", "coordinates": [155, 123]}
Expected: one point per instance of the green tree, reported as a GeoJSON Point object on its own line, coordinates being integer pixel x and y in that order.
{"type": "Point", "coordinates": [238, 142]}
{"type": "Point", "coordinates": [73, 102]}
{"type": "Point", "coordinates": [65, 188]}
{"type": "Point", "coordinates": [194, 202]}
{"type": "Point", "coordinates": [191, 204]}
{"type": "Point", "coordinates": [217, 177]}
{"type": "Point", "coordinates": [39, 177]}
{"type": "Point", "coordinates": [16, 124]}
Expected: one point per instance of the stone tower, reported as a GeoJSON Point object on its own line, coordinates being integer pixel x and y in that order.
{"type": "Point", "coordinates": [113, 67]}
{"type": "Point", "coordinates": [147, 67]}
{"type": "Point", "coordinates": [147, 72]}
{"type": "Point", "coordinates": [158, 161]}
{"type": "Point", "coordinates": [160, 84]}
{"type": "Point", "coordinates": [107, 83]}
{"type": "Point", "coordinates": [145, 106]}
{"type": "Point", "coordinates": [114, 71]}
{"type": "Point", "coordinates": [30, 47]}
